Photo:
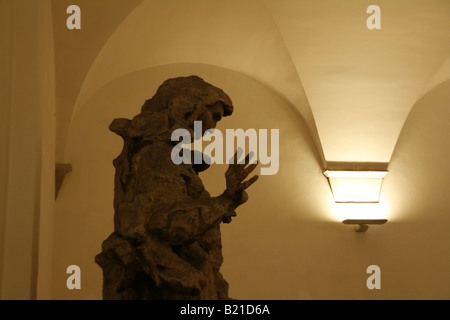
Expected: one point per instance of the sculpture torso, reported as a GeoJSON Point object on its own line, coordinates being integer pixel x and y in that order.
{"type": "Point", "coordinates": [166, 242]}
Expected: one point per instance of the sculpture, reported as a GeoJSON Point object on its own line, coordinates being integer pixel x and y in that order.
{"type": "Point", "coordinates": [166, 242]}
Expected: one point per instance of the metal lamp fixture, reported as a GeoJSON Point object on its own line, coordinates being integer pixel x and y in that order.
{"type": "Point", "coordinates": [357, 187]}
{"type": "Point", "coordinates": [363, 224]}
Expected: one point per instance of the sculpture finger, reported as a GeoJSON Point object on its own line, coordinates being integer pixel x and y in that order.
{"type": "Point", "coordinates": [247, 159]}
{"type": "Point", "coordinates": [249, 182]}
{"type": "Point", "coordinates": [247, 171]}
{"type": "Point", "coordinates": [233, 169]}
{"type": "Point", "coordinates": [244, 198]}
{"type": "Point", "coordinates": [235, 158]}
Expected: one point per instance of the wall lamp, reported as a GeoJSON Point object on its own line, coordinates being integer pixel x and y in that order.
{"type": "Point", "coordinates": [356, 186]}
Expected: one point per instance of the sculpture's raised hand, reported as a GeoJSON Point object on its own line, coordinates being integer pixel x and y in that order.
{"type": "Point", "coordinates": [235, 176]}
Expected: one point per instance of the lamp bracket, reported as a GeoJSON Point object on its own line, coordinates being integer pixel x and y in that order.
{"type": "Point", "coordinates": [362, 224]}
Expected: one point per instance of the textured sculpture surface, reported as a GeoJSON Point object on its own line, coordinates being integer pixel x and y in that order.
{"type": "Point", "coordinates": [166, 242]}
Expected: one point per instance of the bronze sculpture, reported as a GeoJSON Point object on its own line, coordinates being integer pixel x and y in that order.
{"type": "Point", "coordinates": [166, 242]}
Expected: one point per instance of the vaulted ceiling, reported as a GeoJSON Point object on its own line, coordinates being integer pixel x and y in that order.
{"type": "Point", "coordinates": [353, 86]}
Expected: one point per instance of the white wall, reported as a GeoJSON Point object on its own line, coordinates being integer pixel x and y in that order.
{"type": "Point", "coordinates": [27, 148]}
{"type": "Point", "coordinates": [5, 96]}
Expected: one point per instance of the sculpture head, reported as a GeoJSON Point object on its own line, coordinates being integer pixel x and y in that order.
{"type": "Point", "coordinates": [177, 104]}
{"type": "Point", "coordinates": [189, 99]}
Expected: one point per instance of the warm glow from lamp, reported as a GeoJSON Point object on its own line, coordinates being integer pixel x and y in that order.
{"type": "Point", "coordinates": [343, 211]}
{"type": "Point", "coordinates": [355, 186]}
